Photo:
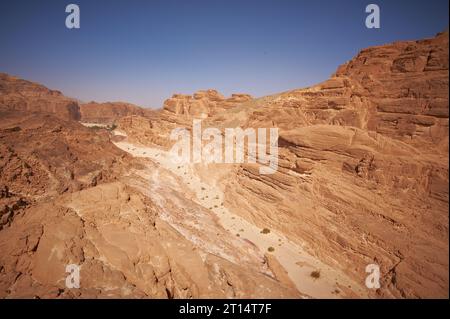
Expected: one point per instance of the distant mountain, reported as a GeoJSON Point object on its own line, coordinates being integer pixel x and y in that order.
{"type": "Point", "coordinates": [107, 113]}
{"type": "Point", "coordinates": [21, 95]}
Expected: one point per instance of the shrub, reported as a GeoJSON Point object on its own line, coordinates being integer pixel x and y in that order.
{"type": "Point", "coordinates": [112, 127]}
{"type": "Point", "coordinates": [315, 274]}
{"type": "Point", "coordinates": [265, 231]}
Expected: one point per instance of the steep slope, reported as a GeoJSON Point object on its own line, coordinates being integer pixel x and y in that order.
{"type": "Point", "coordinates": [363, 174]}
{"type": "Point", "coordinates": [363, 165]}
{"type": "Point", "coordinates": [21, 95]}
{"type": "Point", "coordinates": [203, 103]}
{"type": "Point", "coordinates": [43, 157]}
{"type": "Point", "coordinates": [69, 196]}
{"type": "Point", "coordinates": [178, 111]}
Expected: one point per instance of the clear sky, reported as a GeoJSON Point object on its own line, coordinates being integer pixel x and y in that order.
{"type": "Point", "coordinates": [144, 51]}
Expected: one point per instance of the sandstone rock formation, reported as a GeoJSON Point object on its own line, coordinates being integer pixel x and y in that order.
{"type": "Point", "coordinates": [43, 156]}
{"type": "Point", "coordinates": [363, 174]}
{"type": "Point", "coordinates": [108, 113]}
{"type": "Point", "coordinates": [124, 250]}
{"type": "Point", "coordinates": [69, 196]}
{"type": "Point", "coordinates": [203, 103]}
{"type": "Point", "coordinates": [363, 170]}
{"type": "Point", "coordinates": [178, 111]}
{"type": "Point", "coordinates": [21, 95]}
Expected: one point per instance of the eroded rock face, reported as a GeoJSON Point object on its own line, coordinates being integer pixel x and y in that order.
{"type": "Point", "coordinates": [398, 90]}
{"type": "Point", "coordinates": [203, 103]}
{"type": "Point", "coordinates": [21, 95]}
{"type": "Point", "coordinates": [363, 171]}
{"type": "Point", "coordinates": [43, 155]}
{"type": "Point", "coordinates": [152, 129]}
{"type": "Point", "coordinates": [108, 113]}
{"type": "Point", "coordinates": [155, 126]}
{"type": "Point", "coordinates": [69, 196]}
{"type": "Point", "coordinates": [123, 249]}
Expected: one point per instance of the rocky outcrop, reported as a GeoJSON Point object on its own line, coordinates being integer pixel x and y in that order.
{"type": "Point", "coordinates": [203, 103]}
{"type": "Point", "coordinates": [43, 155]}
{"type": "Point", "coordinates": [152, 128]}
{"type": "Point", "coordinates": [69, 196]}
{"type": "Point", "coordinates": [113, 233]}
{"type": "Point", "coordinates": [21, 95]}
{"type": "Point", "coordinates": [363, 170]}
{"type": "Point", "coordinates": [398, 90]}
{"type": "Point", "coordinates": [108, 113]}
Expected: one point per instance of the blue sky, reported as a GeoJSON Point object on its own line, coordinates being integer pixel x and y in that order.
{"type": "Point", "coordinates": [144, 51]}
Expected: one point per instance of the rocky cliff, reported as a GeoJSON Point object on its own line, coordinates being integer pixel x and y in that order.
{"type": "Point", "coordinates": [203, 103]}
{"type": "Point", "coordinates": [21, 95]}
{"type": "Point", "coordinates": [363, 174]}
{"type": "Point", "coordinates": [70, 196]}
{"type": "Point", "coordinates": [363, 169]}
{"type": "Point", "coordinates": [108, 113]}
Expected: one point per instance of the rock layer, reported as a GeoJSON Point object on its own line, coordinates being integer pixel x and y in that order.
{"type": "Point", "coordinates": [363, 174]}
{"type": "Point", "coordinates": [108, 113]}
{"type": "Point", "coordinates": [203, 103]}
{"type": "Point", "coordinates": [21, 95]}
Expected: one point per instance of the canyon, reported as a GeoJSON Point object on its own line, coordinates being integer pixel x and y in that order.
{"type": "Point", "coordinates": [362, 178]}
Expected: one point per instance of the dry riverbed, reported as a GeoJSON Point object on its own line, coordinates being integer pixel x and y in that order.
{"type": "Point", "coordinates": [310, 276]}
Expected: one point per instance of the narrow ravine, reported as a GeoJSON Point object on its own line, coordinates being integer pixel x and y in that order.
{"type": "Point", "coordinates": [294, 259]}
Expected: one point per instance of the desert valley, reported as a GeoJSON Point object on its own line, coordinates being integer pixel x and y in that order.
{"type": "Point", "coordinates": [362, 179]}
